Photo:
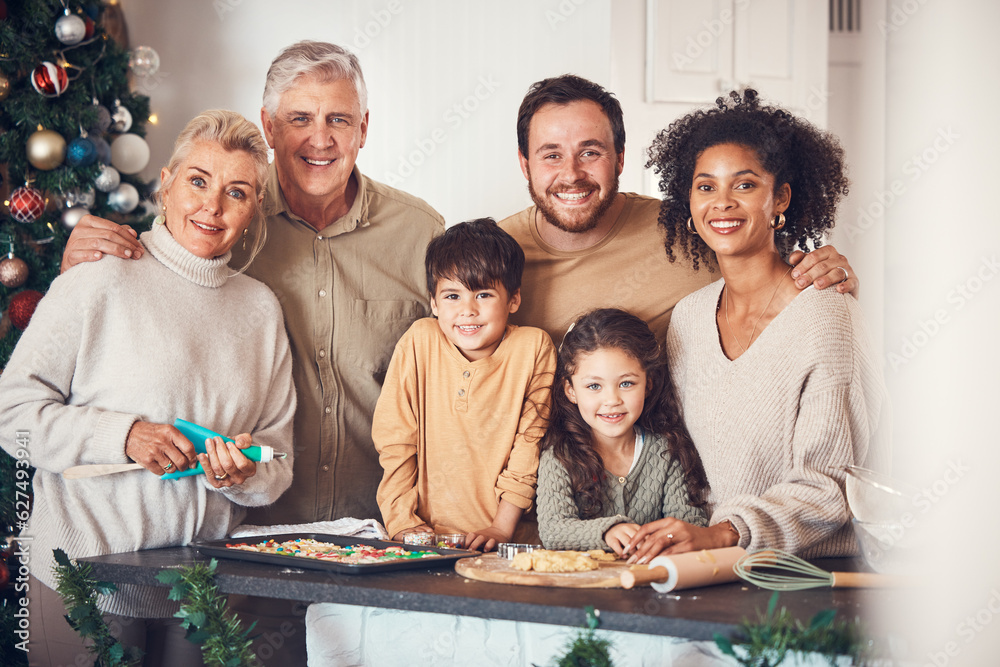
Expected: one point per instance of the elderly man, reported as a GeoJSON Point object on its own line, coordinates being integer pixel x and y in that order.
{"type": "Point", "coordinates": [344, 254]}
{"type": "Point", "coordinates": [587, 245]}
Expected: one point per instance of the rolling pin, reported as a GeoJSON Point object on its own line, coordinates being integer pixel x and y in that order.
{"type": "Point", "coordinates": [689, 570]}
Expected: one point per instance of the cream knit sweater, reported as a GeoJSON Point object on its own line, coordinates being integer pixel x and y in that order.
{"type": "Point", "coordinates": [775, 426]}
{"type": "Point", "coordinates": [169, 335]}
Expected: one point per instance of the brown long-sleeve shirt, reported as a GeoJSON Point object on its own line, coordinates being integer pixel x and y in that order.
{"type": "Point", "coordinates": [348, 293]}
{"type": "Point", "coordinates": [456, 437]}
{"type": "Point", "coordinates": [627, 269]}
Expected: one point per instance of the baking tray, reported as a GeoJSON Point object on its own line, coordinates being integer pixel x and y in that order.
{"type": "Point", "coordinates": [218, 548]}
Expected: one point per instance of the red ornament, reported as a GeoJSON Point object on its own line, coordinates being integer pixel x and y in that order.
{"type": "Point", "coordinates": [26, 204]}
{"type": "Point", "coordinates": [22, 307]}
{"type": "Point", "coordinates": [89, 26]}
{"type": "Point", "coordinates": [49, 79]}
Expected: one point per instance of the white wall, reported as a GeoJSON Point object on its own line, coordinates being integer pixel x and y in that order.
{"type": "Point", "coordinates": [445, 78]}
{"type": "Point", "coordinates": [856, 99]}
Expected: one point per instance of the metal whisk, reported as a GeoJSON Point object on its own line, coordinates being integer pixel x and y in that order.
{"type": "Point", "coordinates": [796, 574]}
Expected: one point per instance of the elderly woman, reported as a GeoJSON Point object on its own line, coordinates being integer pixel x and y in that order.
{"type": "Point", "coordinates": [779, 388]}
{"type": "Point", "coordinates": [115, 352]}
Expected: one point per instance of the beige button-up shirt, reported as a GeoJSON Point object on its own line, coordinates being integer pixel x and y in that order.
{"type": "Point", "coordinates": [347, 293]}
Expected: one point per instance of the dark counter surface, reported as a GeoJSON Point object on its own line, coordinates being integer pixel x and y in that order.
{"type": "Point", "coordinates": [692, 614]}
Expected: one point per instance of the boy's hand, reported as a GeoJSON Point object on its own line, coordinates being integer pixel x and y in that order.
{"type": "Point", "coordinates": [501, 530]}
{"type": "Point", "coordinates": [401, 535]}
{"type": "Point", "coordinates": [618, 535]}
{"type": "Point", "coordinates": [486, 539]}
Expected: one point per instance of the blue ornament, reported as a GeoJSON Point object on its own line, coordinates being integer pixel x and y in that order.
{"type": "Point", "coordinates": [81, 152]}
{"type": "Point", "coordinates": [103, 150]}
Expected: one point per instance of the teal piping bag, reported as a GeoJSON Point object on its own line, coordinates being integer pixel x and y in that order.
{"type": "Point", "coordinates": [198, 434]}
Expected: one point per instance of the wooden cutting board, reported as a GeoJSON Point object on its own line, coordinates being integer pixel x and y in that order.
{"type": "Point", "coordinates": [492, 568]}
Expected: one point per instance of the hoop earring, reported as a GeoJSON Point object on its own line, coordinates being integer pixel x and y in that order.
{"type": "Point", "coordinates": [691, 227]}
{"type": "Point", "coordinates": [778, 222]}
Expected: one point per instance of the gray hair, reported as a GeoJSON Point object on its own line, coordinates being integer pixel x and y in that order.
{"type": "Point", "coordinates": [232, 132]}
{"type": "Point", "coordinates": [307, 58]}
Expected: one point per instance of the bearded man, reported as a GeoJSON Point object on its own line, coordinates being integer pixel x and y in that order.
{"type": "Point", "coordinates": [586, 244]}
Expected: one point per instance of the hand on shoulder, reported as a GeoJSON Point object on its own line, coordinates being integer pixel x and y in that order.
{"type": "Point", "coordinates": [94, 237]}
{"type": "Point", "coordinates": [822, 268]}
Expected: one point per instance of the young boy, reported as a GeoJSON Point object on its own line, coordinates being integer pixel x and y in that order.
{"type": "Point", "coordinates": [466, 397]}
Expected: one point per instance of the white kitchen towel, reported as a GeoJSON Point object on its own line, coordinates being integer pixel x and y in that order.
{"type": "Point", "coordinates": [366, 528]}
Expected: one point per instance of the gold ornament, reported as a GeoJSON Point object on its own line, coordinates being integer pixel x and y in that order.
{"type": "Point", "coordinates": [46, 150]}
{"type": "Point", "coordinates": [13, 272]}
{"type": "Point", "coordinates": [4, 87]}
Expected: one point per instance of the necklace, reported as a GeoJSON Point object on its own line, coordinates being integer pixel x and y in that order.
{"type": "Point", "coordinates": [754, 329]}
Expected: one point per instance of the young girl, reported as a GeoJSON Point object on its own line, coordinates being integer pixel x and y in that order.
{"type": "Point", "coordinates": [616, 454]}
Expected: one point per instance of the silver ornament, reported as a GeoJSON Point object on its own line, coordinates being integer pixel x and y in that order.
{"type": "Point", "coordinates": [124, 198]}
{"type": "Point", "coordinates": [71, 216]}
{"type": "Point", "coordinates": [70, 29]}
{"type": "Point", "coordinates": [144, 61]}
{"type": "Point", "coordinates": [108, 179]}
{"type": "Point", "coordinates": [79, 197]}
{"type": "Point", "coordinates": [121, 119]}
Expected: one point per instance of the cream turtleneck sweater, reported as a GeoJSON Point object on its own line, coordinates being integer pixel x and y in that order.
{"type": "Point", "coordinates": [116, 341]}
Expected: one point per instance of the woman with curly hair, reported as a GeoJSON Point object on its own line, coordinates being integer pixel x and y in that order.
{"type": "Point", "coordinates": [779, 389]}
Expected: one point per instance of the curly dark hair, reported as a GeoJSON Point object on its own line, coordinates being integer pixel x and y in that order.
{"type": "Point", "coordinates": [793, 150]}
{"type": "Point", "coordinates": [569, 436]}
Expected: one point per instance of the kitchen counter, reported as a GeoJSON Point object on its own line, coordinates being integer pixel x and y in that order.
{"type": "Point", "coordinates": [694, 614]}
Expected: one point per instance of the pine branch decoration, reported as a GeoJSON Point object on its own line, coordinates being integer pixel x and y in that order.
{"type": "Point", "coordinates": [586, 649]}
{"type": "Point", "coordinates": [203, 613]}
{"type": "Point", "coordinates": [777, 636]}
{"type": "Point", "coordinates": [79, 590]}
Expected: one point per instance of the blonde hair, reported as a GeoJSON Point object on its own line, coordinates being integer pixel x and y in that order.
{"type": "Point", "coordinates": [232, 132]}
{"type": "Point", "coordinates": [307, 58]}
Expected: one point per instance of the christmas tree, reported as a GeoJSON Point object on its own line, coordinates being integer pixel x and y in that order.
{"type": "Point", "coordinates": [71, 142]}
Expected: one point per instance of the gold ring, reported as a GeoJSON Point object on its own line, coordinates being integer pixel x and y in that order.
{"type": "Point", "coordinates": [168, 466]}
{"type": "Point", "coordinates": [219, 478]}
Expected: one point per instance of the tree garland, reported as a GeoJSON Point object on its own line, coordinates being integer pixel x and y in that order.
{"type": "Point", "coordinates": [777, 635]}
{"type": "Point", "coordinates": [79, 591]}
{"type": "Point", "coordinates": [586, 649]}
{"type": "Point", "coordinates": [203, 613]}
{"type": "Point", "coordinates": [224, 643]}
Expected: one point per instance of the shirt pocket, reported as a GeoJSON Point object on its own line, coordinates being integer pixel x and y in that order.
{"type": "Point", "coordinates": [376, 327]}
